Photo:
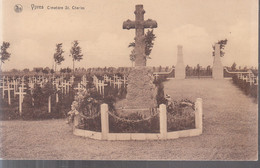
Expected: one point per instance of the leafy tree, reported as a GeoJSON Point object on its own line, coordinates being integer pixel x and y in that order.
{"type": "Point", "coordinates": [149, 38]}
{"type": "Point", "coordinates": [233, 67]}
{"type": "Point", "coordinates": [38, 70]}
{"type": "Point", "coordinates": [222, 47]}
{"type": "Point", "coordinates": [160, 68]}
{"type": "Point", "coordinates": [26, 70]}
{"type": "Point", "coordinates": [4, 54]}
{"type": "Point", "coordinates": [68, 70]}
{"type": "Point", "coordinates": [76, 53]}
{"type": "Point", "coordinates": [198, 70]}
{"type": "Point", "coordinates": [46, 70]}
{"type": "Point", "coordinates": [52, 71]}
{"type": "Point", "coordinates": [132, 57]}
{"type": "Point", "coordinates": [58, 57]}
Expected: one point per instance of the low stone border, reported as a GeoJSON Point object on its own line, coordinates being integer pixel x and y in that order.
{"type": "Point", "coordinates": [163, 135]}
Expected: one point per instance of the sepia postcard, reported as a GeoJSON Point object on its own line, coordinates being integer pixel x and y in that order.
{"type": "Point", "coordinates": [171, 80]}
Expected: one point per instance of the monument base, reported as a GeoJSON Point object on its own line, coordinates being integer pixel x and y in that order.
{"type": "Point", "coordinates": [123, 111]}
{"type": "Point", "coordinates": [141, 92]}
{"type": "Point", "coordinates": [217, 71]}
{"type": "Point", "coordinates": [180, 71]}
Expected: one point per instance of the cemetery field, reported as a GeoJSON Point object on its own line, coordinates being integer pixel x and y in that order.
{"type": "Point", "coordinates": [230, 132]}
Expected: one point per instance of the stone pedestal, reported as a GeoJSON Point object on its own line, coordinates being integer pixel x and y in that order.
{"type": "Point", "coordinates": [180, 68]}
{"type": "Point", "coordinates": [141, 92]}
{"type": "Point", "coordinates": [217, 69]}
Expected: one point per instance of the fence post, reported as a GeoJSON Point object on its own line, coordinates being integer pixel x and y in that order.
{"type": "Point", "coordinates": [49, 104]}
{"type": "Point", "coordinates": [198, 114]}
{"type": "Point", "coordinates": [8, 93]}
{"type": "Point", "coordinates": [104, 121]}
{"type": "Point", "coordinates": [76, 120]}
{"type": "Point", "coordinates": [20, 101]}
{"type": "Point", "coordinates": [163, 121]}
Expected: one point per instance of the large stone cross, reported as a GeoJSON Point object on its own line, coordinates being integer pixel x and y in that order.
{"type": "Point", "coordinates": [139, 25]}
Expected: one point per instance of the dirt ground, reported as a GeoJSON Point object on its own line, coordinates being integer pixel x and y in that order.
{"type": "Point", "coordinates": [230, 132]}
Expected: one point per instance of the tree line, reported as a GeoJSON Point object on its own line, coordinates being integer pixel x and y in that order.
{"type": "Point", "coordinates": [58, 57]}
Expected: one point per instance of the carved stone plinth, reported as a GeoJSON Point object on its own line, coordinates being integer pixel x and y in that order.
{"type": "Point", "coordinates": [141, 92]}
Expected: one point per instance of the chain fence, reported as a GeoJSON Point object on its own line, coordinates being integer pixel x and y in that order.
{"type": "Point", "coordinates": [90, 117]}
{"type": "Point", "coordinates": [133, 121]}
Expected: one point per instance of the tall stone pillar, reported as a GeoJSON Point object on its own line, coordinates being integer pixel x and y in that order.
{"type": "Point", "coordinates": [180, 68]}
{"type": "Point", "coordinates": [217, 69]}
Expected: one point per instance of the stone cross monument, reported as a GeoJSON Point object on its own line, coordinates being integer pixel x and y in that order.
{"type": "Point", "coordinates": [139, 25]}
{"type": "Point", "coordinates": [141, 92]}
{"type": "Point", "coordinates": [217, 69]}
{"type": "Point", "coordinates": [179, 68]}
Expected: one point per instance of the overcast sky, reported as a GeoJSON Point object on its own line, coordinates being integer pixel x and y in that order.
{"type": "Point", "coordinates": [195, 24]}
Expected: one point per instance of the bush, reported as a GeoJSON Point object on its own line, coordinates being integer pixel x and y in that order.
{"type": "Point", "coordinates": [248, 89]}
{"type": "Point", "coordinates": [147, 126]}
{"type": "Point", "coordinates": [35, 106]}
{"type": "Point", "coordinates": [181, 121]}
{"type": "Point", "coordinates": [160, 98]}
{"type": "Point", "coordinates": [91, 124]}
{"type": "Point", "coordinates": [9, 112]}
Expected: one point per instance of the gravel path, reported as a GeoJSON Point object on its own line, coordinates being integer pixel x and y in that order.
{"type": "Point", "coordinates": [230, 132]}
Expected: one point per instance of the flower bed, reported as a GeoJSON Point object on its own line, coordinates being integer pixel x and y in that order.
{"type": "Point", "coordinates": [134, 123]}
{"type": "Point", "coordinates": [87, 106]}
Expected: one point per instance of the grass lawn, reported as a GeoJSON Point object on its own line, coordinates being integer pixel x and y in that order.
{"type": "Point", "coordinates": [229, 132]}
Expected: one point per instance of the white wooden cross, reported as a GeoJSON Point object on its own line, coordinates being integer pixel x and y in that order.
{"type": "Point", "coordinates": [8, 89]}
{"type": "Point", "coordinates": [114, 80]}
{"type": "Point", "coordinates": [53, 77]}
{"type": "Point", "coordinates": [67, 85]}
{"type": "Point", "coordinates": [95, 81]}
{"type": "Point", "coordinates": [156, 75]}
{"type": "Point", "coordinates": [63, 87]}
{"type": "Point", "coordinates": [239, 76]}
{"type": "Point", "coordinates": [243, 77]}
{"type": "Point", "coordinates": [21, 96]}
{"type": "Point", "coordinates": [34, 79]}
{"type": "Point", "coordinates": [256, 83]}
{"type": "Point", "coordinates": [118, 83]}
{"type": "Point", "coordinates": [101, 86]}
{"type": "Point", "coordinates": [15, 85]}
{"type": "Point", "coordinates": [251, 80]}
{"type": "Point", "coordinates": [84, 81]}
{"type": "Point", "coordinates": [2, 86]}
{"type": "Point", "coordinates": [110, 81]}
{"type": "Point", "coordinates": [72, 80]}
{"type": "Point", "coordinates": [57, 89]}
{"type": "Point", "coordinates": [124, 80]}
{"type": "Point", "coordinates": [247, 78]}
{"type": "Point", "coordinates": [8, 92]}
{"type": "Point", "coordinates": [79, 87]}
{"type": "Point", "coordinates": [31, 85]}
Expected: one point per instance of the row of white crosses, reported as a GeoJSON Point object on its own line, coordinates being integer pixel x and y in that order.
{"type": "Point", "coordinates": [117, 81]}
{"type": "Point", "coordinates": [100, 85]}
{"type": "Point", "coordinates": [58, 82]}
{"type": "Point", "coordinates": [82, 84]}
{"type": "Point", "coordinates": [12, 84]}
{"type": "Point", "coordinates": [249, 77]}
